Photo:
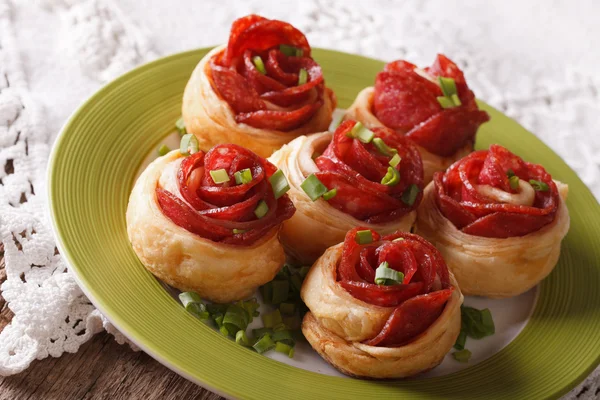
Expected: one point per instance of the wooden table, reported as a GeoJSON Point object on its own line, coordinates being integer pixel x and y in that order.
{"type": "Point", "coordinates": [101, 369]}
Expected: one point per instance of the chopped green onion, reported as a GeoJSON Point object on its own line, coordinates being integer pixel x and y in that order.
{"type": "Point", "coordinates": [456, 100]}
{"type": "Point", "coordinates": [292, 322]}
{"type": "Point", "coordinates": [386, 276]}
{"type": "Point", "coordinates": [360, 132]}
{"type": "Point", "coordinates": [193, 304]}
{"type": "Point", "coordinates": [260, 332]}
{"type": "Point", "coordinates": [364, 237]}
{"type": "Point", "coordinates": [189, 297]}
{"type": "Point", "coordinates": [410, 195]}
{"type": "Point", "coordinates": [251, 306]}
{"type": "Point", "coordinates": [284, 336]}
{"type": "Point", "coordinates": [219, 320]}
{"type": "Point", "coordinates": [445, 102]}
{"type": "Point", "coordinates": [243, 176]}
{"type": "Point", "coordinates": [219, 176]}
{"type": "Point", "coordinates": [460, 341]}
{"type": "Point", "coordinates": [313, 187]}
{"type": "Point", "coordinates": [216, 309]}
{"type": "Point", "coordinates": [296, 283]}
{"type": "Point", "coordinates": [164, 149]}
{"type": "Point", "coordinates": [180, 125]}
{"type": "Point", "coordinates": [391, 178]}
{"type": "Point", "coordinates": [477, 323]}
{"type": "Point", "coordinates": [264, 344]}
{"type": "Point", "coordinates": [510, 173]}
{"type": "Point", "coordinates": [447, 85]}
{"type": "Point", "coordinates": [287, 308]}
{"type": "Point", "coordinates": [242, 338]}
{"type": "Point", "coordinates": [290, 50]}
{"type": "Point", "coordinates": [236, 318]}
{"type": "Point", "coordinates": [188, 145]}
{"type": "Point", "coordinates": [395, 160]}
{"type": "Point", "coordinates": [239, 231]}
{"type": "Point", "coordinates": [383, 148]}
{"type": "Point", "coordinates": [259, 64]}
{"type": "Point", "coordinates": [488, 321]}
{"type": "Point", "coordinates": [224, 331]}
{"type": "Point", "coordinates": [329, 195]}
{"type": "Point", "coordinates": [462, 356]}
{"type": "Point", "coordinates": [302, 76]}
{"type": "Point", "coordinates": [513, 181]}
{"type": "Point", "coordinates": [280, 291]}
{"type": "Point", "coordinates": [261, 210]}
{"type": "Point", "coordinates": [539, 185]}
{"type": "Point", "coordinates": [271, 319]}
{"type": "Point", "coordinates": [285, 349]}
{"type": "Point", "coordinates": [398, 240]}
{"type": "Point", "coordinates": [279, 184]}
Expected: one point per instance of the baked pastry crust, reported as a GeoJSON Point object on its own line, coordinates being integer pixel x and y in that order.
{"type": "Point", "coordinates": [212, 120]}
{"type": "Point", "coordinates": [218, 272]}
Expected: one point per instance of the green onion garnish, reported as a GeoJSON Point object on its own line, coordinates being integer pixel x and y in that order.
{"type": "Point", "coordinates": [477, 323]}
{"type": "Point", "coordinates": [395, 160]}
{"type": "Point", "coordinates": [329, 195]}
{"type": "Point", "coordinates": [386, 276]}
{"type": "Point", "coordinates": [193, 304]}
{"type": "Point", "coordinates": [410, 195]}
{"type": "Point", "coordinates": [510, 173]}
{"type": "Point", "coordinates": [364, 237]}
{"type": "Point", "coordinates": [287, 308]}
{"type": "Point", "coordinates": [360, 132]}
{"type": "Point", "coordinates": [259, 64]}
{"type": "Point", "coordinates": [260, 332]}
{"type": "Point", "coordinates": [539, 185]}
{"type": "Point", "coordinates": [456, 100]}
{"type": "Point", "coordinates": [445, 102]}
{"type": "Point", "coordinates": [224, 331]}
{"type": "Point", "coordinates": [302, 76]}
{"type": "Point", "coordinates": [239, 231]}
{"type": "Point", "coordinates": [513, 181]}
{"type": "Point", "coordinates": [180, 125]}
{"type": "Point", "coordinates": [279, 184]}
{"type": "Point", "coordinates": [235, 318]}
{"type": "Point", "coordinates": [243, 176]}
{"type": "Point", "coordinates": [460, 340]}
{"type": "Point", "coordinates": [462, 356]}
{"type": "Point", "coordinates": [285, 349]}
{"type": "Point", "coordinates": [280, 292]}
{"type": "Point", "coordinates": [271, 319]}
{"type": "Point", "coordinates": [261, 210]}
{"type": "Point", "coordinates": [290, 50]}
{"type": "Point", "coordinates": [384, 148]}
{"type": "Point", "coordinates": [450, 98]}
{"type": "Point", "coordinates": [313, 187]}
{"type": "Point", "coordinates": [264, 344]}
{"type": "Point", "coordinates": [164, 149]}
{"type": "Point", "coordinates": [398, 240]}
{"type": "Point", "coordinates": [219, 176]}
{"type": "Point", "coordinates": [283, 335]}
{"type": "Point", "coordinates": [391, 178]}
{"type": "Point", "coordinates": [188, 144]}
{"type": "Point", "coordinates": [242, 338]}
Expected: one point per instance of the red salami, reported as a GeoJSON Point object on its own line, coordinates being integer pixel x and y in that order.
{"type": "Point", "coordinates": [419, 299]}
{"type": "Point", "coordinates": [458, 198]}
{"type": "Point", "coordinates": [406, 101]}
{"type": "Point", "coordinates": [274, 98]}
{"type": "Point", "coordinates": [213, 210]}
{"type": "Point", "coordinates": [356, 170]}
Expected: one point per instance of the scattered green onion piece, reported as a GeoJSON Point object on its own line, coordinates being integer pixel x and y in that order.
{"type": "Point", "coordinates": [279, 183]}
{"type": "Point", "coordinates": [219, 320]}
{"type": "Point", "coordinates": [488, 321]}
{"type": "Point", "coordinates": [296, 283]}
{"type": "Point", "coordinates": [280, 291]}
{"type": "Point", "coordinates": [364, 237]}
{"type": "Point", "coordinates": [447, 85]}
{"type": "Point", "coordinates": [251, 306]}
{"type": "Point", "coordinates": [329, 195]}
{"type": "Point", "coordinates": [164, 149]}
{"type": "Point", "coordinates": [456, 100]}
{"type": "Point", "coordinates": [391, 178]}
{"type": "Point", "coordinates": [285, 271]}
{"type": "Point", "coordinates": [261, 332]}
{"type": "Point", "coordinates": [462, 356]}
{"type": "Point", "coordinates": [261, 210]}
{"type": "Point", "coordinates": [285, 349]}
{"type": "Point", "coordinates": [224, 331]}
{"type": "Point", "coordinates": [219, 176]}
{"type": "Point", "coordinates": [284, 336]}
{"type": "Point", "coordinates": [188, 144]}
{"type": "Point", "coordinates": [445, 102]}
{"type": "Point", "coordinates": [513, 181]}
{"type": "Point", "coordinates": [243, 176]}
{"type": "Point", "coordinates": [477, 323]}
{"type": "Point", "coordinates": [193, 304]}
{"type": "Point", "coordinates": [460, 341]}
{"type": "Point", "coordinates": [271, 319]}
{"type": "Point", "coordinates": [360, 132]}
{"type": "Point", "coordinates": [259, 64]}
{"type": "Point", "coordinates": [410, 195]}
{"type": "Point", "coordinates": [539, 185]}
{"type": "Point", "coordinates": [239, 231]}
{"type": "Point", "coordinates": [189, 297]}
{"type": "Point", "coordinates": [266, 291]}
{"type": "Point", "coordinates": [510, 173]}
{"type": "Point", "coordinates": [236, 318]}
{"type": "Point", "coordinates": [242, 338]}
{"type": "Point", "coordinates": [180, 125]}
{"type": "Point", "coordinates": [292, 322]}
{"type": "Point", "coordinates": [395, 160]}
{"type": "Point", "coordinates": [313, 187]}
{"type": "Point", "coordinates": [398, 240]}
{"type": "Point", "coordinates": [216, 309]}
{"type": "Point", "coordinates": [287, 308]}
{"type": "Point", "coordinates": [302, 76]}
{"type": "Point", "coordinates": [290, 51]}
{"type": "Point", "coordinates": [279, 327]}
{"type": "Point", "coordinates": [384, 149]}
{"type": "Point", "coordinates": [315, 155]}
{"type": "Point", "coordinates": [386, 276]}
{"type": "Point", "coordinates": [264, 344]}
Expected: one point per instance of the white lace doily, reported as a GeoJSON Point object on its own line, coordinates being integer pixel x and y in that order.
{"type": "Point", "coordinates": [534, 61]}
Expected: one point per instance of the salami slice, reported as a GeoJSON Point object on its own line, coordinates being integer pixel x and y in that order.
{"type": "Point", "coordinates": [356, 170]}
{"type": "Point", "coordinates": [406, 100]}
{"type": "Point", "coordinates": [419, 299]}
{"type": "Point", "coordinates": [459, 198]}
{"type": "Point", "coordinates": [224, 212]}
{"type": "Point", "coordinates": [282, 94]}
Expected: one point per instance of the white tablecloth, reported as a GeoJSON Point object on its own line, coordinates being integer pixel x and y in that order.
{"type": "Point", "coordinates": [535, 60]}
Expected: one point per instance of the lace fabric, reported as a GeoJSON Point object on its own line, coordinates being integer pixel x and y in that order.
{"type": "Point", "coordinates": [89, 42]}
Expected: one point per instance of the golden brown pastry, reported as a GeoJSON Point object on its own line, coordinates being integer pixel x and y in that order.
{"type": "Point", "coordinates": [497, 220]}
{"type": "Point", "coordinates": [433, 107]}
{"type": "Point", "coordinates": [355, 176]}
{"type": "Point", "coordinates": [214, 235]}
{"type": "Point", "coordinates": [368, 326]}
{"type": "Point", "coordinates": [260, 91]}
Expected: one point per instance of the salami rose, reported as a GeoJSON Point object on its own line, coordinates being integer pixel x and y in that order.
{"type": "Point", "coordinates": [347, 305]}
{"type": "Point", "coordinates": [375, 179]}
{"type": "Point", "coordinates": [497, 220]}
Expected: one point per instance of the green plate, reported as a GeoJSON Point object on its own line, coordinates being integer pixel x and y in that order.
{"type": "Point", "coordinates": [92, 170]}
